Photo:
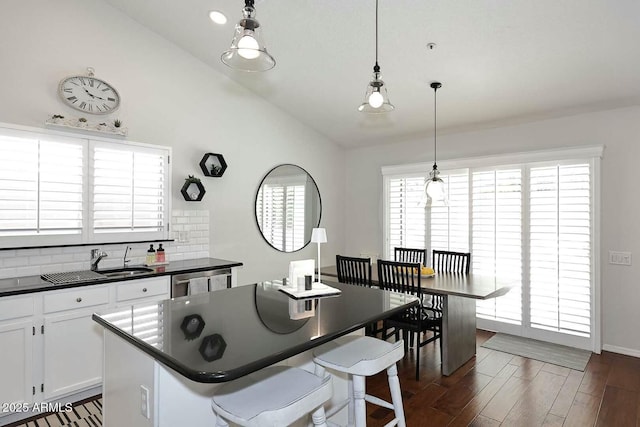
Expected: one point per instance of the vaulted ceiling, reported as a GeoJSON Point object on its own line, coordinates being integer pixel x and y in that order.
{"type": "Point", "coordinates": [500, 62]}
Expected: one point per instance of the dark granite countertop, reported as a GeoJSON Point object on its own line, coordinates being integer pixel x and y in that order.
{"type": "Point", "coordinates": [222, 335]}
{"type": "Point", "coordinates": [29, 284]}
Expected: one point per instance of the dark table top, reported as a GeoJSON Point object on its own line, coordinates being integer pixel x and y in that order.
{"type": "Point", "coordinates": [476, 286]}
{"type": "Point", "coordinates": [245, 328]}
{"type": "Point", "coordinates": [29, 284]}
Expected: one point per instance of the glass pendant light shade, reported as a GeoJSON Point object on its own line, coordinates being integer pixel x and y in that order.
{"type": "Point", "coordinates": [376, 99]}
{"type": "Point", "coordinates": [248, 51]}
{"type": "Point", "coordinates": [435, 188]}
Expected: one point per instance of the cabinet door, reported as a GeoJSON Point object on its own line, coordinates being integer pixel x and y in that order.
{"type": "Point", "coordinates": [73, 352]}
{"type": "Point", "coordinates": [16, 362]}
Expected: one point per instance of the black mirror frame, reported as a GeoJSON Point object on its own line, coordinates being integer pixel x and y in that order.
{"type": "Point", "coordinates": [255, 202]}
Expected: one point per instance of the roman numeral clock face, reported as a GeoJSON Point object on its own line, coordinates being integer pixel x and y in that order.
{"type": "Point", "coordinates": [89, 94]}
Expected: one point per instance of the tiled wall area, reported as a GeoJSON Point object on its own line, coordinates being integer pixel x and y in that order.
{"type": "Point", "coordinates": [189, 229]}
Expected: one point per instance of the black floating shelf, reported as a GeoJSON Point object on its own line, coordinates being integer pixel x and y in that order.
{"type": "Point", "coordinates": [213, 164]}
{"type": "Point", "coordinates": [192, 191]}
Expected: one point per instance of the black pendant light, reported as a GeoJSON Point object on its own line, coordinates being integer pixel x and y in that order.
{"type": "Point", "coordinates": [376, 99]}
{"type": "Point", "coordinates": [434, 188]}
{"type": "Point", "coordinates": [248, 51]}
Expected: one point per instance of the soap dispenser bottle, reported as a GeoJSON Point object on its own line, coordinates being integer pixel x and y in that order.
{"type": "Point", "coordinates": [160, 258]}
{"type": "Point", "coordinates": [151, 256]}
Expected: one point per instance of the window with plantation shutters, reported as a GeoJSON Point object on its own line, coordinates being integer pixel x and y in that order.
{"type": "Point", "coordinates": [406, 213]}
{"type": "Point", "coordinates": [128, 189]}
{"type": "Point", "coordinates": [60, 189]}
{"type": "Point", "coordinates": [529, 219]}
{"type": "Point", "coordinates": [560, 248]}
{"type": "Point", "coordinates": [41, 185]}
{"type": "Point", "coordinates": [497, 238]}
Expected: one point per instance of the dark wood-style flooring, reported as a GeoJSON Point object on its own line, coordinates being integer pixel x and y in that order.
{"type": "Point", "coordinates": [498, 389]}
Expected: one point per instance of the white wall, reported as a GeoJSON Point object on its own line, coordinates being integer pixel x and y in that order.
{"type": "Point", "coordinates": [618, 130]}
{"type": "Point", "coordinates": [169, 98]}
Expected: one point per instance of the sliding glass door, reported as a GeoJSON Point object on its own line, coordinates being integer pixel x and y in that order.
{"type": "Point", "coordinates": [531, 224]}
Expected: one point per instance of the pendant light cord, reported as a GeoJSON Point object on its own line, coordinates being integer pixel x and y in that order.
{"type": "Point", "coordinates": [376, 68]}
{"type": "Point", "coordinates": [435, 126]}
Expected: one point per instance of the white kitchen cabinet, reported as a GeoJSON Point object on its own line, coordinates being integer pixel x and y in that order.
{"type": "Point", "coordinates": [16, 363]}
{"type": "Point", "coordinates": [16, 355]}
{"type": "Point", "coordinates": [51, 348]}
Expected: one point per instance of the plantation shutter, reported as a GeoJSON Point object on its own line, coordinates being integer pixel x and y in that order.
{"type": "Point", "coordinates": [294, 213]}
{"type": "Point", "coordinates": [449, 225]}
{"type": "Point", "coordinates": [497, 238]}
{"type": "Point", "coordinates": [406, 213]}
{"type": "Point", "coordinates": [128, 189]}
{"type": "Point", "coordinates": [560, 248]}
{"type": "Point", "coordinates": [41, 185]}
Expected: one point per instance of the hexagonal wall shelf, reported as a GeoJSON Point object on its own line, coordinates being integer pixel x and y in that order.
{"type": "Point", "coordinates": [192, 191]}
{"type": "Point", "coordinates": [213, 164]}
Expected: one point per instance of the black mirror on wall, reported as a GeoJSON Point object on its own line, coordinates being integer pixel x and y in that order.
{"type": "Point", "coordinates": [288, 207]}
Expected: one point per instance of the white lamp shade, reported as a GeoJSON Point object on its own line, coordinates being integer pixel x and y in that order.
{"type": "Point", "coordinates": [319, 235]}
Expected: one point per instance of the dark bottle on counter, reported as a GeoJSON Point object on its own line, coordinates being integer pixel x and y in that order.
{"type": "Point", "coordinates": [160, 254]}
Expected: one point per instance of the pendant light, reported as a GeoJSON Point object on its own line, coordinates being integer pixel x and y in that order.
{"type": "Point", "coordinates": [376, 99]}
{"type": "Point", "coordinates": [247, 51]}
{"type": "Point", "coordinates": [434, 187]}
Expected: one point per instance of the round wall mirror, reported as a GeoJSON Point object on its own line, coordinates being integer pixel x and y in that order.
{"type": "Point", "coordinates": [288, 207]}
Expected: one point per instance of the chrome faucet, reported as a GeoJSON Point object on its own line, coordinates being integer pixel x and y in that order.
{"type": "Point", "coordinates": [125, 261]}
{"type": "Point", "coordinates": [96, 257]}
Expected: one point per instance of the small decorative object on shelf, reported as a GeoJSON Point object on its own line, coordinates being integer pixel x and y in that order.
{"type": "Point", "coordinates": [213, 164]}
{"type": "Point", "coordinates": [192, 190]}
{"type": "Point", "coordinates": [81, 123]}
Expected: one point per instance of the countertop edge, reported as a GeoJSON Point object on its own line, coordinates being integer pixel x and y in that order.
{"type": "Point", "coordinates": [220, 377]}
{"type": "Point", "coordinates": [46, 286]}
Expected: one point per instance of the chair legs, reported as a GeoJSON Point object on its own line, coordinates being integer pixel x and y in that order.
{"type": "Point", "coordinates": [319, 418]}
{"type": "Point", "coordinates": [359, 402]}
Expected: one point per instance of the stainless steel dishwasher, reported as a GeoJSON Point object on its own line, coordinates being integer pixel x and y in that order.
{"type": "Point", "coordinates": [216, 279]}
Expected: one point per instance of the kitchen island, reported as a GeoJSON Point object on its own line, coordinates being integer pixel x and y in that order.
{"type": "Point", "coordinates": [163, 360]}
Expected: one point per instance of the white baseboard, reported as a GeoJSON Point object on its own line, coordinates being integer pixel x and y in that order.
{"type": "Point", "coordinates": [621, 350]}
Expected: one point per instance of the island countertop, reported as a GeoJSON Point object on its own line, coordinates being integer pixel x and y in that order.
{"type": "Point", "coordinates": [30, 284]}
{"type": "Point", "coordinates": [220, 336]}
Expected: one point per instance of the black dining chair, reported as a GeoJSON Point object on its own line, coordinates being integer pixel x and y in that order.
{"type": "Point", "coordinates": [355, 271]}
{"type": "Point", "coordinates": [405, 278]}
{"type": "Point", "coordinates": [451, 262]}
{"type": "Point", "coordinates": [410, 255]}
{"type": "Point", "coordinates": [443, 262]}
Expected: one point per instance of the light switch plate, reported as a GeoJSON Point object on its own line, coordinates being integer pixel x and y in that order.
{"type": "Point", "coordinates": [619, 258]}
{"type": "Point", "coordinates": [144, 402]}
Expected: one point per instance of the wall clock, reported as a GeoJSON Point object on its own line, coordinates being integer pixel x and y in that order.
{"type": "Point", "coordinates": [89, 94]}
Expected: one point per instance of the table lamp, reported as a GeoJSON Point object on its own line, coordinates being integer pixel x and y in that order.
{"type": "Point", "coordinates": [319, 235]}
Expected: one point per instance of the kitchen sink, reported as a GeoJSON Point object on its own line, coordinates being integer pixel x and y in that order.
{"type": "Point", "coordinates": [125, 271]}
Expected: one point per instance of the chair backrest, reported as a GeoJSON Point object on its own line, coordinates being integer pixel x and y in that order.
{"type": "Point", "coordinates": [399, 277]}
{"type": "Point", "coordinates": [451, 262]}
{"type": "Point", "coordinates": [410, 255]}
{"type": "Point", "coordinates": [355, 271]}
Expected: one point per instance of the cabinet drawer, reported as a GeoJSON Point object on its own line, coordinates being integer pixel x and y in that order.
{"type": "Point", "coordinates": [13, 308]}
{"type": "Point", "coordinates": [75, 298]}
{"type": "Point", "coordinates": [134, 289]}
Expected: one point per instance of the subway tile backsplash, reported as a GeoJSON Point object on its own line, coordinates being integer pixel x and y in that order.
{"type": "Point", "coordinates": [189, 229]}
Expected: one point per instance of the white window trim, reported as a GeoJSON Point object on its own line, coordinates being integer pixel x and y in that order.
{"type": "Point", "coordinates": [87, 236]}
{"type": "Point", "coordinates": [592, 154]}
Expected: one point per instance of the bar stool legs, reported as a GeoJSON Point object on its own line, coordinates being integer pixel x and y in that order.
{"type": "Point", "coordinates": [361, 357]}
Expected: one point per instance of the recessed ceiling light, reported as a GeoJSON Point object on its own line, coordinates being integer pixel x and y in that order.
{"type": "Point", "coordinates": [218, 17]}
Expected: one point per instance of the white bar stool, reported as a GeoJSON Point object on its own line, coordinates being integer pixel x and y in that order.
{"type": "Point", "coordinates": [275, 396]}
{"type": "Point", "coordinates": [361, 357]}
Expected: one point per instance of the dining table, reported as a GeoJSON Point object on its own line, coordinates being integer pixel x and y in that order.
{"type": "Point", "coordinates": [459, 294]}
